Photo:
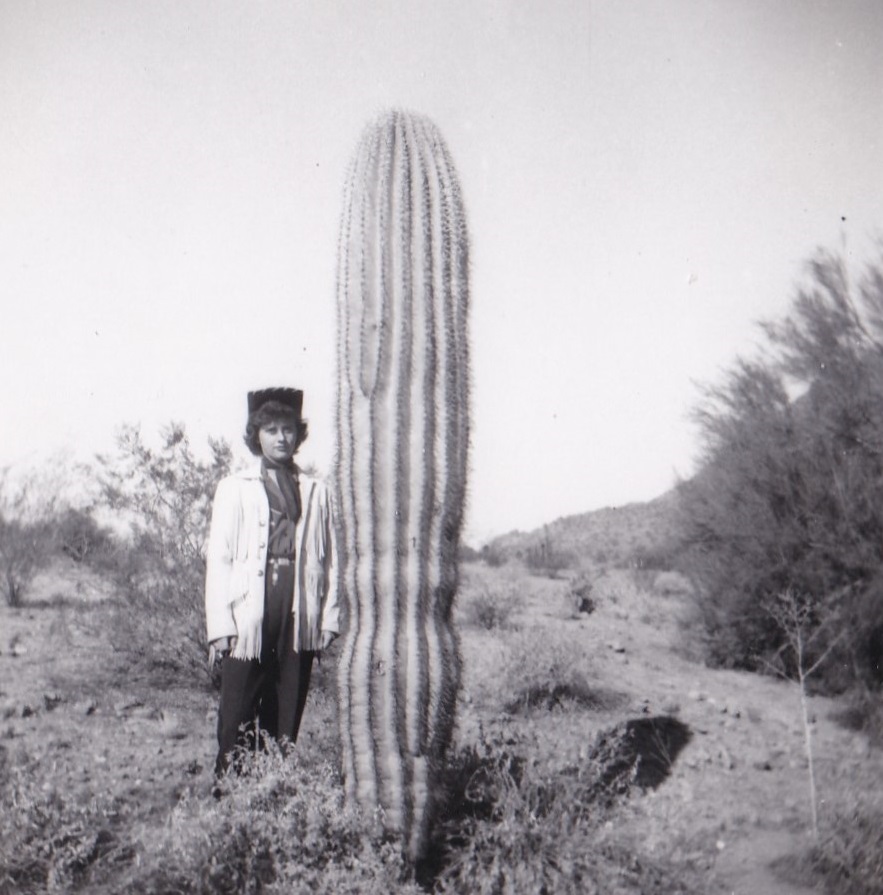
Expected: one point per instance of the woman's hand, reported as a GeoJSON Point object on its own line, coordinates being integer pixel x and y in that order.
{"type": "Point", "coordinates": [328, 637]}
{"type": "Point", "coordinates": [219, 648]}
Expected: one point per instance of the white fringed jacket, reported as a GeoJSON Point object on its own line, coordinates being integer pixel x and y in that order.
{"type": "Point", "coordinates": [236, 562]}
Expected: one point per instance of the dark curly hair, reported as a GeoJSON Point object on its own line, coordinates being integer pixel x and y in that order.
{"type": "Point", "coordinates": [273, 412]}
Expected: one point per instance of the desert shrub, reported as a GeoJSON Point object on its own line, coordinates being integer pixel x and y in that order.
{"type": "Point", "coordinates": [51, 840]}
{"type": "Point", "coordinates": [581, 594]}
{"type": "Point", "coordinates": [513, 827]}
{"type": "Point", "coordinates": [658, 558]}
{"type": "Point", "coordinates": [541, 673]}
{"type": "Point", "coordinates": [28, 507]}
{"type": "Point", "coordinates": [545, 558]}
{"type": "Point", "coordinates": [79, 536]}
{"type": "Point", "coordinates": [164, 495]}
{"type": "Point", "coordinates": [789, 494]}
{"type": "Point", "coordinates": [491, 608]}
{"type": "Point", "coordinates": [493, 555]}
{"type": "Point", "coordinates": [671, 584]}
{"type": "Point", "coordinates": [22, 553]}
{"type": "Point", "coordinates": [863, 713]}
{"type": "Point", "coordinates": [848, 858]}
{"type": "Point", "coordinates": [277, 829]}
{"type": "Point", "coordinates": [468, 554]}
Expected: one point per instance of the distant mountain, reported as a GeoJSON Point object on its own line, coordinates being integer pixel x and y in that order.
{"type": "Point", "coordinates": [634, 534]}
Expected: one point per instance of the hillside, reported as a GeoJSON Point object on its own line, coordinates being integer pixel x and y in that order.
{"type": "Point", "coordinates": [613, 536]}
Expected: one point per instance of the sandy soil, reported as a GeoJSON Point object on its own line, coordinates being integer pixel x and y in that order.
{"type": "Point", "coordinates": [736, 801]}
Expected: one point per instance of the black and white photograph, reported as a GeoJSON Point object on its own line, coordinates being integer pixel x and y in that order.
{"type": "Point", "coordinates": [442, 447]}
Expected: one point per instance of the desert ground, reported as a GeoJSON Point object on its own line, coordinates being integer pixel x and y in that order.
{"type": "Point", "coordinates": [94, 746]}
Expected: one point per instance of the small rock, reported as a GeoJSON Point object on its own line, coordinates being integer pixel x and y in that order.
{"type": "Point", "coordinates": [27, 711]}
{"type": "Point", "coordinates": [670, 706]}
{"type": "Point", "coordinates": [862, 747]}
{"type": "Point", "coordinates": [51, 701]}
{"type": "Point", "coordinates": [727, 759]}
{"type": "Point", "coordinates": [695, 696]}
{"type": "Point", "coordinates": [170, 725]}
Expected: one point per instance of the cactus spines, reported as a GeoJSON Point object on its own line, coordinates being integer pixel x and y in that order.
{"type": "Point", "coordinates": [402, 437]}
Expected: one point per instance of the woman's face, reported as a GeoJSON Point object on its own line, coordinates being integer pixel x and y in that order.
{"type": "Point", "coordinates": [277, 440]}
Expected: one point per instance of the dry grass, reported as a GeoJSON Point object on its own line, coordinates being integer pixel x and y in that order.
{"type": "Point", "coordinates": [106, 780]}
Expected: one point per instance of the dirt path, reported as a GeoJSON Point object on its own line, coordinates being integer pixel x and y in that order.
{"type": "Point", "coordinates": [747, 867]}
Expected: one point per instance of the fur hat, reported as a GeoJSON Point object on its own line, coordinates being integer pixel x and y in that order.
{"type": "Point", "coordinates": [290, 397]}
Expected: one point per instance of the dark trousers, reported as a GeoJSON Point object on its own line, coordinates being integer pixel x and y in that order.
{"type": "Point", "coordinates": [265, 697]}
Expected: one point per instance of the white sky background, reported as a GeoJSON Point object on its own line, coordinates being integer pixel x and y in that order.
{"type": "Point", "coordinates": [643, 181]}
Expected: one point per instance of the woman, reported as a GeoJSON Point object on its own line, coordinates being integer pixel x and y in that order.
{"type": "Point", "coordinates": [271, 587]}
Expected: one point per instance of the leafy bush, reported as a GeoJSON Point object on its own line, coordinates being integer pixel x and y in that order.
{"type": "Point", "coordinates": [164, 496]}
{"type": "Point", "coordinates": [790, 490]}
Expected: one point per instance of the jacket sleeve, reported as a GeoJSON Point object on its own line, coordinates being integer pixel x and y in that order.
{"type": "Point", "coordinates": [219, 562]}
{"type": "Point", "coordinates": [330, 599]}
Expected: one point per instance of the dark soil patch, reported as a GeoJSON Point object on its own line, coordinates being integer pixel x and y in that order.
{"type": "Point", "coordinates": [640, 751]}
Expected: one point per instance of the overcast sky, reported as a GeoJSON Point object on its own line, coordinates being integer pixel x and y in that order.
{"type": "Point", "coordinates": [643, 180]}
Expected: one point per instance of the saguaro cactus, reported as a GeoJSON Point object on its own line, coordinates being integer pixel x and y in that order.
{"type": "Point", "coordinates": [402, 434]}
